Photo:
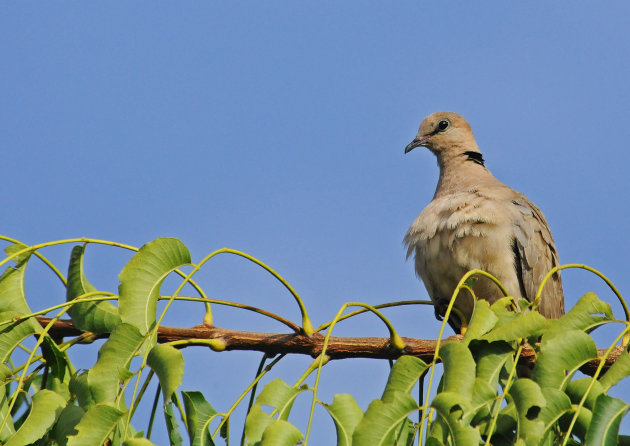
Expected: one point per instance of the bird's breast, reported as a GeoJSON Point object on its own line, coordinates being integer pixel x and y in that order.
{"type": "Point", "coordinates": [457, 233]}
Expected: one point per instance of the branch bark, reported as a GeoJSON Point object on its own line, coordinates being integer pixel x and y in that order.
{"type": "Point", "coordinates": [338, 347]}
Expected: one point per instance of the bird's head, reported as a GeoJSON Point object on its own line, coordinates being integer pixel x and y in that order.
{"type": "Point", "coordinates": [442, 132]}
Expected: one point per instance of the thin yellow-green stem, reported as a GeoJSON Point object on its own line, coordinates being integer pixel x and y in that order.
{"type": "Point", "coordinates": [136, 386]}
{"type": "Point", "coordinates": [40, 256]}
{"type": "Point", "coordinates": [62, 348]}
{"type": "Point", "coordinates": [506, 388]}
{"type": "Point", "coordinates": [395, 340]}
{"type": "Point", "coordinates": [267, 368]}
{"type": "Point", "coordinates": [153, 411]}
{"type": "Point", "coordinates": [315, 365]}
{"type": "Point", "coordinates": [307, 326]}
{"type": "Point", "coordinates": [153, 332]}
{"type": "Point", "coordinates": [460, 314]}
{"type": "Point", "coordinates": [26, 365]}
{"type": "Point", "coordinates": [34, 248]}
{"type": "Point", "coordinates": [318, 362]}
{"type": "Point", "coordinates": [66, 345]}
{"type": "Point", "coordinates": [182, 412]}
{"type": "Point", "coordinates": [626, 339]}
{"type": "Point", "coordinates": [24, 348]}
{"type": "Point", "coordinates": [280, 319]}
{"type": "Point", "coordinates": [66, 305]}
{"type": "Point", "coordinates": [123, 389]}
{"type": "Point", "coordinates": [485, 274]}
{"type": "Point", "coordinates": [602, 362]}
{"type": "Point", "coordinates": [322, 355]}
{"type": "Point", "coordinates": [253, 392]}
{"type": "Point", "coordinates": [379, 306]}
{"type": "Point", "coordinates": [106, 295]}
{"type": "Point", "coordinates": [143, 389]}
{"type": "Point", "coordinates": [447, 314]}
{"type": "Point", "coordinates": [206, 425]}
{"type": "Point", "coordinates": [174, 295]}
{"type": "Point", "coordinates": [587, 268]}
{"type": "Point", "coordinates": [84, 240]}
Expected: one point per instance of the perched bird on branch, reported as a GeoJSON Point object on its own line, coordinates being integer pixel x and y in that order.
{"type": "Point", "coordinates": [476, 222]}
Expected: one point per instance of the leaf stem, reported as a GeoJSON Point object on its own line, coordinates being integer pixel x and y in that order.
{"type": "Point", "coordinates": [602, 361]}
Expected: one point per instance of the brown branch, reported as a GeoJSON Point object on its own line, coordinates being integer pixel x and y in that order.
{"type": "Point", "coordinates": [338, 347]}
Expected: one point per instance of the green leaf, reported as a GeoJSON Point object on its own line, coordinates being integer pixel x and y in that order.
{"type": "Point", "coordinates": [55, 358]}
{"type": "Point", "coordinates": [79, 388]}
{"type": "Point", "coordinates": [502, 309]}
{"type": "Point", "coordinates": [405, 434]}
{"type": "Point", "coordinates": [461, 432]}
{"type": "Point", "coordinates": [529, 401]}
{"type": "Point", "coordinates": [45, 409]}
{"type": "Point", "coordinates": [459, 369]}
{"type": "Point", "coordinates": [172, 426]}
{"type": "Point", "coordinates": [582, 422]}
{"type": "Point", "coordinates": [455, 412]}
{"type": "Point", "coordinates": [404, 375]}
{"type": "Point", "coordinates": [453, 406]}
{"type": "Point", "coordinates": [491, 358]}
{"type": "Point", "coordinates": [383, 419]}
{"type": "Point", "coordinates": [9, 429]}
{"type": "Point", "coordinates": [96, 425]}
{"type": "Point", "coordinates": [12, 295]}
{"type": "Point", "coordinates": [13, 304]}
{"type": "Point", "coordinates": [438, 432]}
{"type": "Point", "coordinates": [13, 333]}
{"type": "Point", "coordinates": [199, 413]}
{"type": "Point", "coordinates": [280, 396]}
{"type": "Point", "coordinates": [618, 371]}
{"type": "Point", "coordinates": [138, 442]}
{"type": "Point", "coordinates": [61, 387]}
{"type": "Point", "coordinates": [281, 433]}
{"type": "Point", "coordinates": [168, 364]}
{"type": "Point", "coordinates": [433, 442]}
{"type": "Point", "coordinates": [604, 428]}
{"type": "Point", "coordinates": [507, 422]}
{"type": "Point", "coordinates": [557, 405]}
{"type": "Point", "coordinates": [561, 352]}
{"type": "Point", "coordinates": [97, 317]}
{"type": "Point", "coordinates": [346, 414]}
{"type": "Point", "coordinates": [483, 396]}
{"type": "Point", "coordinates": [255, 424]}
{"type": "Point", "coordinates": [112, 366]}
{"type": "Point", "coordinates": [67, 422]}
{"type": "Point", "coordinates": [141, 278]}
{"type": "Point", "coordinates": [577, 388]}
{"type": "Point", "coordinates": [525, 325]}
{"type": "Point", "coordinates": [482, 321]}
{"type": "Point", "coordinates": [587, 312]}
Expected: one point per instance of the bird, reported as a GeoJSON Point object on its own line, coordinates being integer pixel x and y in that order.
{"type": "Point", "coordinates": [475, 221]}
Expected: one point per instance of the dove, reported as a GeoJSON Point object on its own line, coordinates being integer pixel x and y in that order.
{"type": "Point", "coordinates": [476, 222]}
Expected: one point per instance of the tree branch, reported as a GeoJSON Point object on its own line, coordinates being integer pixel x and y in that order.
{"type": "Point", "coordinates": [338, 347]}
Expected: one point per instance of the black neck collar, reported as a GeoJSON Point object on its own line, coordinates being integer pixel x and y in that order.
{"type": "Point", "coordinates": [475, 157]}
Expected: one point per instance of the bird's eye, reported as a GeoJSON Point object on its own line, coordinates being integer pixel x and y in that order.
{"type": "Point", "coordinates": [442, 125]}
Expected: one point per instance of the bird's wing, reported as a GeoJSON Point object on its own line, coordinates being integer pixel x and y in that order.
{"type": "Point", "coordinates": [534, 256]}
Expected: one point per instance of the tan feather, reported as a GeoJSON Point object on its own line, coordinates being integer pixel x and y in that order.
{"type": "Point", "coordinates": [476, 222]}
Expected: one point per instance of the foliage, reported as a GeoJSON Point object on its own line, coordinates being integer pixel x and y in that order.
{"type": "Point", "coordinates": [484, 396]}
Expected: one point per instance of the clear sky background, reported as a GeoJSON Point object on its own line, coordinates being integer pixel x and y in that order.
{"type": "Point", "coordinates": [278, 128]}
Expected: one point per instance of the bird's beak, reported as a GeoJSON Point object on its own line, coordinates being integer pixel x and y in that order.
{"type": "Point", "coordinates": [417, 142]}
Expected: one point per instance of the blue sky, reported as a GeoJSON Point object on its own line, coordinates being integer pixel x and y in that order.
{"type": "Point", "coordinates": [278, 128]}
